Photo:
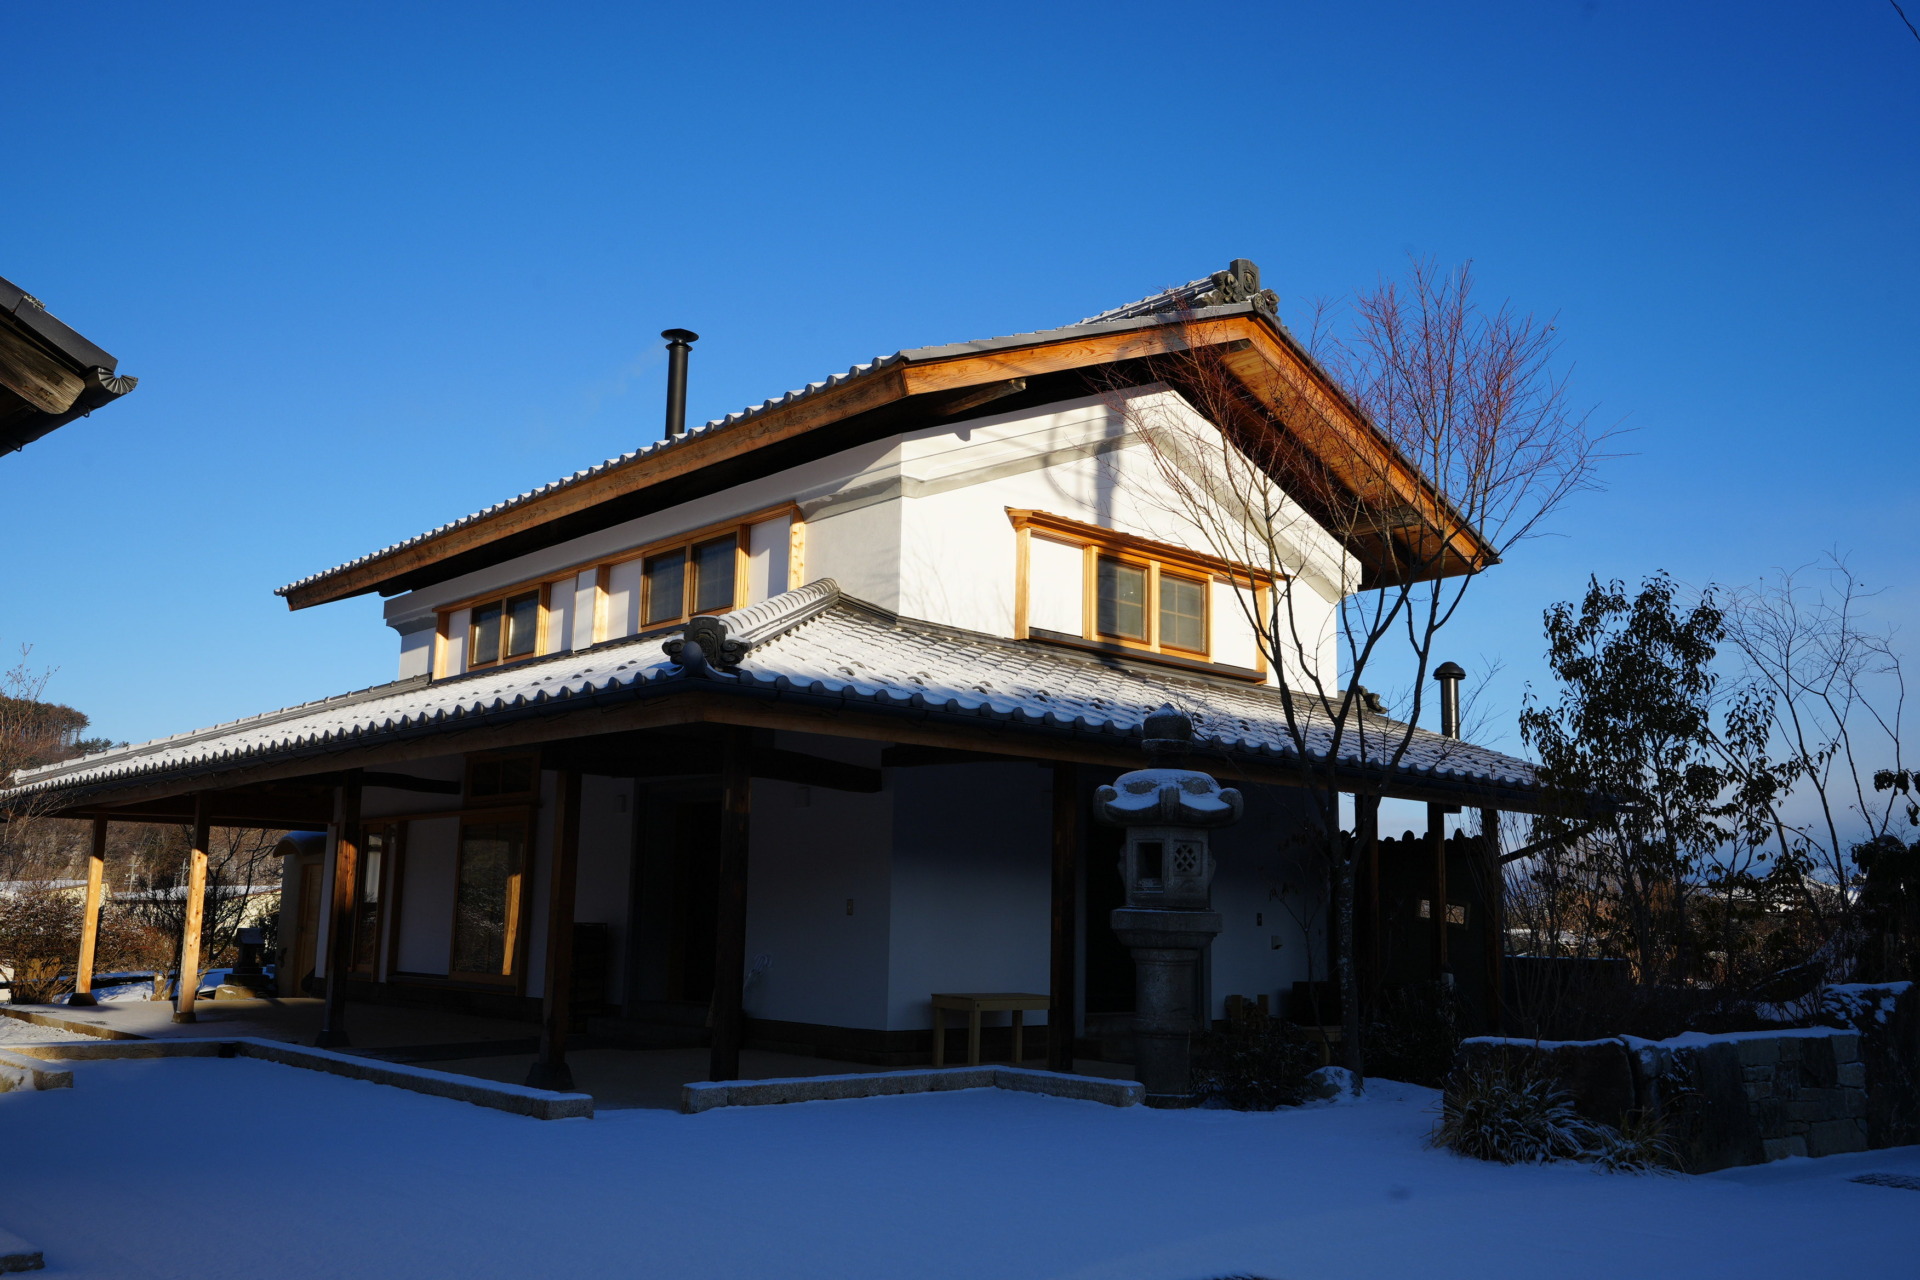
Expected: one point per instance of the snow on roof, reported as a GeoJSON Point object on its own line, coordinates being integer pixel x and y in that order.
{"type": "Point", "coordinates": [1189, 298]}
{"type": "Point", "coordinates": [816, 645]}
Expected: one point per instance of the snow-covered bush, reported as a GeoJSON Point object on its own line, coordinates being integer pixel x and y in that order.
{"type": "Point", "coordinates": [1511, 1111]}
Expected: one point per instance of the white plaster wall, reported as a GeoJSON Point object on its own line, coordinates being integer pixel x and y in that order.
{"type": "Point", "coordinates": [456, 647]}
{"type": "Point", "coordinates": [560, 605]}
{"type": "Point", "coordinates": [623, 599]}
{"type": "Point", "coordinates": [426, 895]}
{"type": "Point", "coordinates": [585, 586]}
{"type": "Point", "coordinates": [917, 523]}
{"type": "Point", "coordinates": [1085, 460]}
{"type": "Point", "coordinates": [379, 802]}
{"type": "Point", "coordinates": [1260, 872]}
{"type": "Point", "coordinates": [972, 884]}
{"type": "Point", "coordinates": [813, 852]}
{"type": "Point", "coordinates": [769, 548]}
{"type": "Point", "coordinates": [416, 650]}
{"type": "Point", "coordinates": [1056, 586]}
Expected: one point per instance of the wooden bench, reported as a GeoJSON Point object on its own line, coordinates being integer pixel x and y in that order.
{"type": "Point", "coordinates": [973, 1004]}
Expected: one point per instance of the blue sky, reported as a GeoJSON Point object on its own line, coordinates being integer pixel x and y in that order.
{"type": "Point", "coordinates": [380, 265]}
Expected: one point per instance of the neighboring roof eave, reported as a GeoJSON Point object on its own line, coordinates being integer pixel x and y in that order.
{"type": "Point", "coordinates": [84, 374]}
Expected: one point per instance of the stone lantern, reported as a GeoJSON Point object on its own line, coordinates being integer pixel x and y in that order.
{"type": "Point", "coordinates": [1168, 922]}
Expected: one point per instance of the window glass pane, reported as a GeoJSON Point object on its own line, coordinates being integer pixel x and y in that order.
{"type": "Point", "coordinates": [486, 633]}
{"type": "Point", "coordinates": [713, 576]}
{"type": "Point", "coordinates": [666, 577]}
{"type": "Point", "coordinates": [1183, 614]}
{"type": "Point", "coordinates": [366, 916]}
{"type": "Point", "coordinates": [1123, 600]}
{"type": "Point", "coordinates": [487, 902]}
{"type": "Point", "coordinates": [523, 624]}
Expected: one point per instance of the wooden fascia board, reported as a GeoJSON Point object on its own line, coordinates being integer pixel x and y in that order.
{"type": "Point", "coordinates": [1337, 432]}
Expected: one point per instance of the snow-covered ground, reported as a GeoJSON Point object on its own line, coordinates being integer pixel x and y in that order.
{"type": "Point", "coordinates": [17, 1031]}
{"type": "Point", "coordinates": [211, 1168]}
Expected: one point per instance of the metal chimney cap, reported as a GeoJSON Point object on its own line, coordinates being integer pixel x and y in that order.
{"type": "Point", "coordinates": [1449, 671]}
{"type": "Point", "coordinates": [680, 335]}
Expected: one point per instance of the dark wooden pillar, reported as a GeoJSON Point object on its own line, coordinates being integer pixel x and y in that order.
{"type": "Point", "coordinates": [90, 917]}
{"type": "Point", "coordinates": [730, 932]}
{"type": "Point", "coordinates": [1366, 833]}
{"type": "Point", "coordinates": [346, 870]}
{"type": "Point", "coordinates": [196, 906]}
{"type": "Point", "coordinates": [550, 1069]}
{"type": "Point", "coordinates": [1437, 854]}
{"type": "Point", "coordinates": [1061, 1005]}
{"type": "Point", "coordinates": [1495, 896]}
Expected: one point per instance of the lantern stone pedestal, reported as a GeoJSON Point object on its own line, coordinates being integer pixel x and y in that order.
{"type": "Point", "coordinates": [1166, 946]}
{"type": "Point", "coordinates": [1167, 923]}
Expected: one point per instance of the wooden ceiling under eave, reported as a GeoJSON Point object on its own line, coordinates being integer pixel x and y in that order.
{"type": "Point", "coordinates": [1414, 535]}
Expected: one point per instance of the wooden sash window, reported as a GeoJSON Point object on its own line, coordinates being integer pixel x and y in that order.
{"type": "Point", "coordinates": [1140, 602]}
{"type": "Point", "coordinates": [368, 900]}
{"type": "Point", "coordinates": [504, 629]}
{"type": "Point", "coordinates": [696, 578]}
{"type": "Point", "coordinates": [1081, 584]}
{"type": "Point", "coordinates": [490, 898]}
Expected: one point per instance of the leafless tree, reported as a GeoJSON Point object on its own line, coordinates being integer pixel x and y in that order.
{"type": "Point", "coordinates": [1428, 431]}
{"type": "Point", "coordinates": [1839, 699]}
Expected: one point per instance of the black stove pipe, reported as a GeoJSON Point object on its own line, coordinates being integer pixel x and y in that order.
{"type": "Point", "coordinates": [679, 341]}
{"type": "Point", "coordinates": [1450, 675]}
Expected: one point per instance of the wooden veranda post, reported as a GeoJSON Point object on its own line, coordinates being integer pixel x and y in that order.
{"type": "Point", "coordinates": [90, 917]}
{"type": "Point", "coordinates": [550, 1069]}
{"type": "Point", "coordinates": [346, 869]}
{"type": "Point", "coordinates": [196, 911]}
{"type": "Point", "coordinates": [1495, 925]}
{"type": "Point", "coordinates": [730, 932]}
{"type": "Point", "coordinates": [1066, 907]}
{"type": "Point", "coordinates": [1437, 909]}
{"type": "Point", "coordinates": [1366, 832]}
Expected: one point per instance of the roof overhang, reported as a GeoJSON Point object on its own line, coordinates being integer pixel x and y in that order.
{"type": "Point", "coordinates": [49, 374]}
{"type": "Point", "coordinates": [1414, 526]}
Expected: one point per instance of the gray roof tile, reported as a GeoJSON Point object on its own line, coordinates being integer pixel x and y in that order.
{"type": "Point", "coordinates": [812, 643]}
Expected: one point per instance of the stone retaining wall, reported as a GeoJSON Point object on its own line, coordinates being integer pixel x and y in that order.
{"type": "Point", "coordinates": [1746, 1098]}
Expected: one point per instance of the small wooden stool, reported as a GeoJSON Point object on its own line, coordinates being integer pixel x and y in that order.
{"type": "Point", "coordinates": [974, 1004]}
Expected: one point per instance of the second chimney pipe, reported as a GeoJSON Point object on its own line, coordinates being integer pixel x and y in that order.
{"type": "Point", "coordinates": [679, 342]}
{"type": "Point", "coordinates": [1449, 674]}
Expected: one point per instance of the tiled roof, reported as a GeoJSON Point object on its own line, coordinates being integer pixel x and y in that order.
{"type": "Point", "coordinates": [1147, 311]}
{"type": "Point", "coordinates": [811, 645]}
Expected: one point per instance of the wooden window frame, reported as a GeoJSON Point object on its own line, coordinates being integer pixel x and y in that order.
{"type": "Point", "coordinates": [602, 569]}
{"type": "Point", "coordinates": [519, 922]}
{"type": "Point", "coordinates": [1095, 544]}
{"type": "Point", "coordinates": [541, 592]}
{"type": "Point", "coordinates": [385, 917]}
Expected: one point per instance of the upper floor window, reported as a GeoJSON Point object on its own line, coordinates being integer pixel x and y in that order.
{"type": "Point", "coordinates": [712, 569]}
{"type": "Point", "coordinates": [1082, 584]}
{"type": "Point", "coordinates": [503, 629]}
{"type": "Point", "coordinates": [1140, 601]}
{"type": "Point", "coordinates": [696, 578]}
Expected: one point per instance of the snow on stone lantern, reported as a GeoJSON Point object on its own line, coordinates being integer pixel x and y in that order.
{"type": "Point", "coordinates": [1168, 921]}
